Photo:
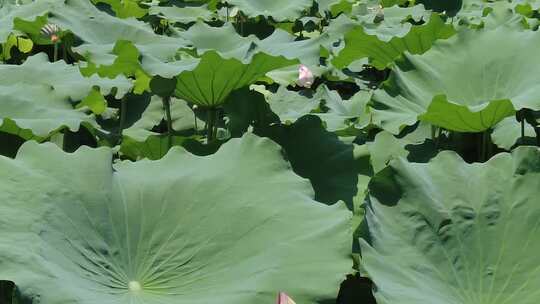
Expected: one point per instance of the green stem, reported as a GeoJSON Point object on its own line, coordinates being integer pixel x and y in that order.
{"type": "Point", "coordinates": [55, 56]}
{"type": "Point", "coordinates": [481, 148]}
{"type": "Point", "coordinates": [489, 144]}
{"type": "Point", "coordinates": [485, 145]}
{"type": "Point", "coordinates": [64, 140]}
{"type": "Point", "coordinates": [123, 109]}
{"type": "Point", "coordinates": [64, 52]}
{"type": "Point", "coordinates": [433, 132]}
{"type": "Point", "coordinates": [522, 130]}
{"type": "Point", "coordinates": [211, 117]}
{"type": "Point", "coordinates": [216, 117]}
{"type": "Point", "coordinates": [170, 131]}
{"type": "Point", "coordinates": [194, 108]}
{"type": "Point", "coordinates": [438, 139]}
{"type": "Point", "coordinates": [242, 27]}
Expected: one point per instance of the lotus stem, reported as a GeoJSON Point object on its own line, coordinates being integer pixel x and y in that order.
{"type": "Point", "coordinates": [438, 139]}
{"type": "Point", "coordinates": [55, 56]}
{"type": "Point", "coordinates": [64, 53]}
{"type": "Point", "coordinates": [64, 138]}
{"type": "Point", "coordinates": [211, 120]}
{"type": "Point", "coordinates": [194, 108]}
{"type": "Point", "coordinates": [522, 130]}
{"type": "Point", "coordinates": [216, 117]}
{"type": "Point", "coordinates": [481, 148]}
{"type": "Point", "coordinates": [170, 131]}
{"type": "Point", "coordinates": [485, 148]}
{"type": "Point", "coordinates": [537, 131]}
{"type": "Point", "coordinates": [489, 144]}
{"type": "Point", "coordinates": [123, 110]}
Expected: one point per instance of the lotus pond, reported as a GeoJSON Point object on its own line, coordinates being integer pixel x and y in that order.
{"type": "Point", "coordinates": [243, 151]}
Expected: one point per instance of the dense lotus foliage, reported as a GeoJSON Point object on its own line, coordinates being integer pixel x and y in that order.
{"type": "Point", "coordinates": [283, 151]}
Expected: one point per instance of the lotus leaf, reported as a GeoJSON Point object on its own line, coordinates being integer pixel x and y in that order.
{"type": "Point", "coordinates": [215, 78]}
{"type": "Point", "coordinates": [451, 232]}
{"type": "Point", "coordinates": [467, 83]}
{"type": "Point", "coordinates": [279, 10]}
{"type": "Point", "coordinates": [177, 230]}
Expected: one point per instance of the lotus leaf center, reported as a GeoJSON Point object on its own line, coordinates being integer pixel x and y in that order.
{"type": "Point", "coordinates": [134, 286]}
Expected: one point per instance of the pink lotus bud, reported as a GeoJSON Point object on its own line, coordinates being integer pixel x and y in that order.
{"type": "Point", "coordinates": [283, 298]}
{"type": "Point", "coordinates": [305, 77]}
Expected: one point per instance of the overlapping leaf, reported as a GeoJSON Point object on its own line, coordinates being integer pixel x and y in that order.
{"type": "Point", "coordinates": [279, 10]}
{"type": "Point", "coordinates": [359, 44]}
{"type": "Point", "coordinates": [40, 96]}
{"type": "Point", "coordinates": [98, 30]}
{"type": "Point", "coordinates": [229, 44]}
{"type": "Point", "coordinates": [181, 14]}
{"type": "Point", "coordinates": [388, 22]}
{"type": "Point", "coordinates": [467, 83]}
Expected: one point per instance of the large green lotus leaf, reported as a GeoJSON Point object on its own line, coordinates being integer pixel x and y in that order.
{"type": "Point", "coordinates": [359, 44]}
{"type": "Point", "coordinates": [38, 96]}
{"type": "Point", "coordinates": [153, 147]}
{"type": "Point", "coordinates": [394, 23]}
{"type": "Point", "coordinates": [215, 78]}
{"type": "Point", "coordinates": [307, 51]}
{"type": "Point", "coordinates": [338, 115]}
{"type": "Point", "coordinates": [20, 114]}
{"type": "Point", "coordinates": [224, 40]}
{"type": "Point", "coordinates": [185, 14]}
{"type": "Point", "coordinates": [279, 10]}
{"type": "Point", "coordinates": [467, 83]}
{"type": "Point", "coordinates": [414, 146]}
{"type": "Point", "coordinates": [229, 44]}
{"type": "Point", "coordinates": [331, 165]}
{"type": "Point", "coordinates": [184, 229]}
{"type": "Point", "coordinates": [290, 105]}
{"type": "Point", "coordinates": [64, 79]}
{"type": "Point", "coordinates": [124, 8]}
{"type": "Point", "coordinates": [343, 114]}
{"type": "Point", "coordinates": [168, 68]}
{"type": "Point", "coordinates": [181, 115]}
{"type": "Point", "coordinates": [450, 232]}
{"type": "Point", "coordinates": [245, 108]}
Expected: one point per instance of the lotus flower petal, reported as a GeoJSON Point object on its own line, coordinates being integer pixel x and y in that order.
{"type": "Point", "coordinates": [305, 76]}
{"type": "Point", "coordinates": [283, 298]}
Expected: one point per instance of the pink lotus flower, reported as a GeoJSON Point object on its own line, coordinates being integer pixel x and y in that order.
{"type": "Point", "coordinates": [283, 298]}
{"type": "Point", "coordinates": [305, 77]}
